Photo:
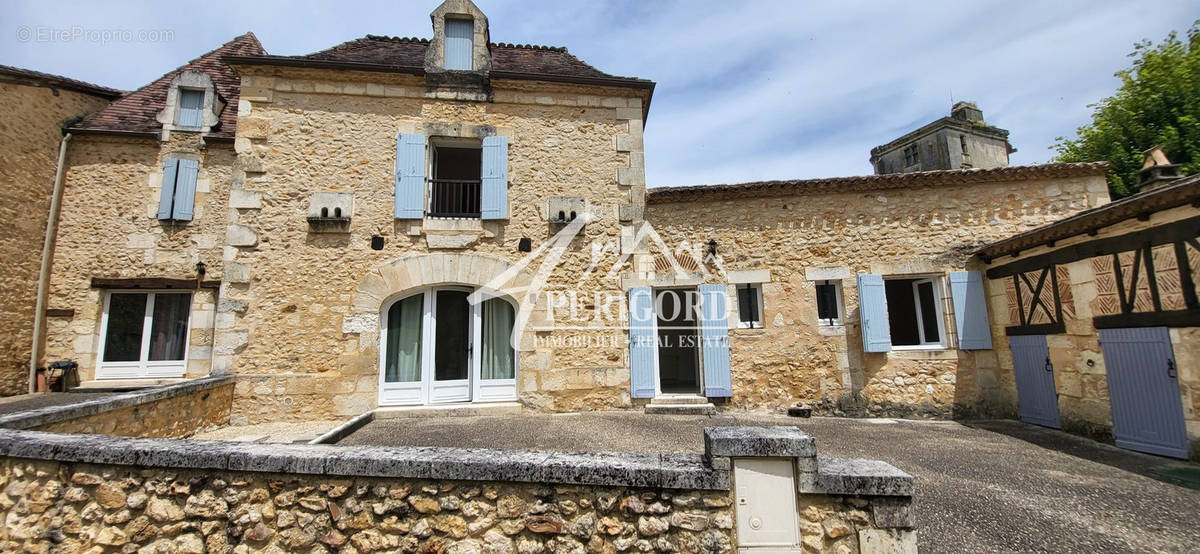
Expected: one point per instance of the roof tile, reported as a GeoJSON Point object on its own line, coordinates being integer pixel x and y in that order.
{"type": "Point", "coordinates": [137, 112]}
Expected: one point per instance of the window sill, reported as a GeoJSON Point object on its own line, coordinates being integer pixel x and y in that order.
{"type": "Point", "coordinates": [452, 224]}
{"type": "Point", "coordinates": [923, 353]}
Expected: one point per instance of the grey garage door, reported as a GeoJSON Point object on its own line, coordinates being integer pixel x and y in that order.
{"type": "Point", "coordinates": [1143, 387]}
{"type": "Point", "coordinates": [1035, 380]}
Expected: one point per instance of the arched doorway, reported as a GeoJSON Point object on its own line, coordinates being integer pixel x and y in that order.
{"type": "Point", "coordinates": [436, 346]}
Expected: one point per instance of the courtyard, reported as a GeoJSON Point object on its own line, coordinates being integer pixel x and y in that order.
{"type": "Point", "coordinates": [989, 486]}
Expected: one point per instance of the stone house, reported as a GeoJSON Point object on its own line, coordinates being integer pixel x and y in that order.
{"type": "Point", "coordinates": [400, 222]}
{"type": "Point", "coordinates": [1102, 321]}
{"type": "Point", "coordinates": [39, 104]}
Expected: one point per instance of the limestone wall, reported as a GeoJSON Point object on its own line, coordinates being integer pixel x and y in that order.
{"type": "Point", "coordinates": [299, 317]}
{"type": "Point", "coordinates": [1087, 289]}
{"type": "Point", "coordinates": [109, 494]}
{"type": "Point", "coordinates": [109, 229]}
{"type": "Point", "coordinates": [173, 411]}
{"type": "Point", "coordinates": [802, 238]}
{"type": "Point", "coordinates": [29, 143]}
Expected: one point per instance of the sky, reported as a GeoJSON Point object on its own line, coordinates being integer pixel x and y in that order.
{"type": "Point", "coordinates": [746, 90]}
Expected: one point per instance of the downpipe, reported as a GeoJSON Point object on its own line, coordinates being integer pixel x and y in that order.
{"type": "Point", "coordinates": [39, 313]}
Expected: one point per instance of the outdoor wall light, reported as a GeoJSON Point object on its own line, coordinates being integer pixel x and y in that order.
{"type": "Point", "coordinates": [201, 269]}
{"type": "Point", "coordinates": [524, 245]}
{"type": "Point", "coordinates": [376, 242]}
{"type": "Point", "coordinates": [712, 247]}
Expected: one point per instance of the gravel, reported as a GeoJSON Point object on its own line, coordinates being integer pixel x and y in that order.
{"type": "Point", "coordinates": [989, 486]}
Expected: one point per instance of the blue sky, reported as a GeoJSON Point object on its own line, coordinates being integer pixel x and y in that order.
{"type": "Point", "coordinates": [746, 90]}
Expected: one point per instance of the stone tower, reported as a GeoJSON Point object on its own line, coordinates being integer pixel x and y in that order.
{"type": "Point", "coordinates": [961, 141]}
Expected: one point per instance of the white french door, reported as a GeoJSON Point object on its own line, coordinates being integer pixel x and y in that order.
{"type": "Point", "coordinates": [144, 335]}
{"type": "Point", "coordinates": [437, 347]}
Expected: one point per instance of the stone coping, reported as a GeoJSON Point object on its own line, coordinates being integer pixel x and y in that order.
{"type": "Point", "coordinates": [859, 477]}
{"type": "Point", "coordinates": [54, 414]}
{"type": "Point", "coordinates": [743, 442]}
{"type": "Point", "coordinates": [670, 471]}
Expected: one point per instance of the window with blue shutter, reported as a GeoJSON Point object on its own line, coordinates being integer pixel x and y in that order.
{"type": "Point", "coordinates": [714, 337]}
{"type": "Point", "coordinates": [460, 35]}
{"type": "Point", "coordinates": [410, 176]}
{"type": "Point", "coordinates": [872, 306]}
{"type": "Point", "coordinates": [191, 108]}
{"type": "Point", "coordinates": [178, 196]}
{"type": "Point", "coordinates": [494, 174]}
{"type": "Point", "coordinates": [642, 344]}
{"type": "Point", "coordinates": [970, 310]}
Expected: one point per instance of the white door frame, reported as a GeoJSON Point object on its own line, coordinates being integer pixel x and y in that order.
{"type": "Point", "coordinates": [428, 390]}
{"type": "Point", "coordinates": [143, 368]}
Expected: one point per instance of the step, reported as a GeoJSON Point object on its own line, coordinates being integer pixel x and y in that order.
{"type": "Point", "coordinates": [449, 410]}
{"type": "Point", "coordinates": [681, 409]}
{"type": "Point", "coordinates": [676, 399]}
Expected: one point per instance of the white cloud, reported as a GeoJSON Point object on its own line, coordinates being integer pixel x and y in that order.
{"type": "Point", "coordinates": [746, 90]}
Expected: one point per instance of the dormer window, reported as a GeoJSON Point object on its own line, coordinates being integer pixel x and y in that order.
{"type": "Point", "coordinates": [460, 43]}
{"type": "Point", "coordinates": [191, 108]}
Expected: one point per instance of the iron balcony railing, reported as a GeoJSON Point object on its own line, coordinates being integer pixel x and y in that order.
{"type": "Point", "coordinates": [454, 198]}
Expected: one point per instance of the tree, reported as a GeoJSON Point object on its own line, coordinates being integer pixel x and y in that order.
{"type": "Point", "coordinates": [1158, 104]}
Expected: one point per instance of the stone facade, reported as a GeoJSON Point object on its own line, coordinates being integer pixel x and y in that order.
{"type": "Point", "coordinates": [814, 234]}
{"type": "Point", "coordinates": [108, 229]}
{"type": "Point", "coordinates": [1088, 289]}
{"type": "Point", "coordinates": [29, 144]}
{"type": "Point", "coordinates": [564, 140]}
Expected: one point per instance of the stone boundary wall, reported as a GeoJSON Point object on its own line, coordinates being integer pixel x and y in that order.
{"type": "Point", "coordinates": [172, 411]}
{"type": "Point", "coordinates": [88, 491]}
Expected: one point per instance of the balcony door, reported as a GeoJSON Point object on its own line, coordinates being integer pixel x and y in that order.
{"type": "Point", "coordinates": [439, 348]}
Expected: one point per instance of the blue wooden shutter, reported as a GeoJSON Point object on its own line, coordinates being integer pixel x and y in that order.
{"type": "Point", "coordinates": [494, 203]}
{"type": "Point", "coordinates": [167, 197]}
{"type": "Point", "coordinates": [641, 342]}
{"type": "Point", "coordinates": [872, 307]}
{"type": "Point", "coordinates": [714, 335]}
{"type": "Point", "coordinates": [185, 190]}
{"type": "Point", "coordinates": [970, 310]}
{"type": "Point", "coordinates": [410, 176]}
{"type": "Point", "coordinates": [191, 108]}
{"type": "Point", "coordinates": [459, 38]}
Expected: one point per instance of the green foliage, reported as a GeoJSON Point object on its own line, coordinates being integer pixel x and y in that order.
{"type": "Point", "coordinates": [1158, 104]}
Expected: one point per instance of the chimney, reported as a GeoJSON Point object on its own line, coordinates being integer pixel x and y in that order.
{"type": "Point", "coordinates": [967, 111]}
{"type": "Point", "coordinates": [1157, 170]}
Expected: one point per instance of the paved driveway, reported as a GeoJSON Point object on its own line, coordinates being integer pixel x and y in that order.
{"type": "Point", "coordinates": [993, 486]}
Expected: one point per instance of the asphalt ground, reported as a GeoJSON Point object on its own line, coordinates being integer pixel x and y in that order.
{"type": "Point", "coordinates": [986, 486]}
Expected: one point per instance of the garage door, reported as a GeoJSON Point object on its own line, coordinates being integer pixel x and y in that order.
{"type": "Point", "coordinates": [1143, 387]}
{"type": "Point", "coordinates": [1037, 399]}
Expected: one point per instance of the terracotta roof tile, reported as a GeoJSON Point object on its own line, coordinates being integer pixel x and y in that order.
{"type": "Point", "coordinates": [58, 81]}
{"type": "Point", "coordinates": [663, 195]}
{"type": "Point", "coordinates": [137, 112]}
{"type": "Point", "coordinates": [508, 60]}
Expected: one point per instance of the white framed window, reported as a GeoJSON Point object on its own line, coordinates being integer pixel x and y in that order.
{"type": "Point", "coordinates": [914, 308]}
{"type": "Point", "coordinates": [436, 346]}
{"type": "Point", "coordinates": [144, 334]}
{"type": "Point", "coordinates": [455, 167]}
{"type": "Point", "coordinates": [749, 301]}
{"type": "Point", "coordinates": [829, 302]}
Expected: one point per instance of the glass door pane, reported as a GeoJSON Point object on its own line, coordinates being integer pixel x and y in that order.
{"type": "Point", "coordinates": [403, 363]}
{"type": "Point", "coordinates": [168, 326]}
{"type": "Point", "coordinates": [497, 355]}
{"type": "Point", "coordinates": [126, 318]}
{"type": "Point", "coordinates": [452, 341]}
